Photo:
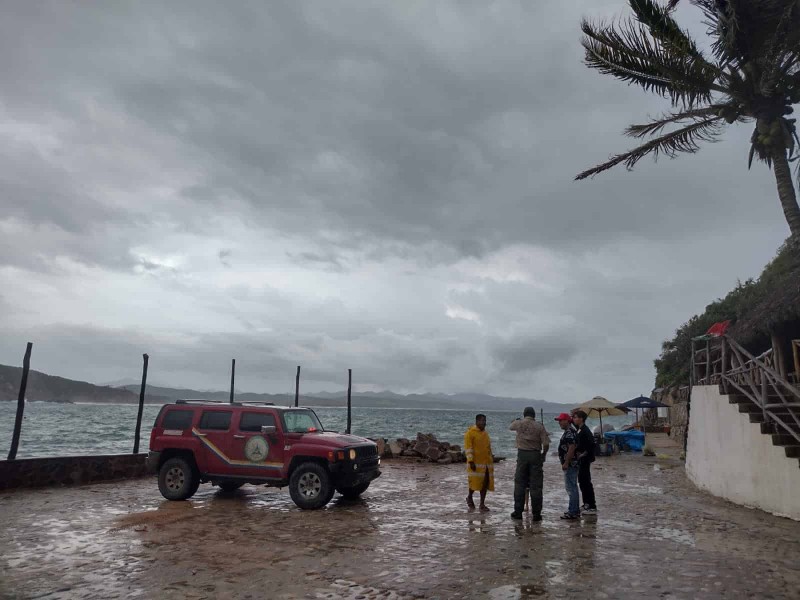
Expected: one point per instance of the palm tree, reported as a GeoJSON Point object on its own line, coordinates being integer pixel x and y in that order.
{"type": "Point", "coordinates": [753, 75]}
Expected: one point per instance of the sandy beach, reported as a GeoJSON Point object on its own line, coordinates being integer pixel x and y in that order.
{"type": "Point", "coordinates": [411, 536]}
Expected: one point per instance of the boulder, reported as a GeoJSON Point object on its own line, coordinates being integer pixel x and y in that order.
{"type": "Point", "coordinates": [456, 456]}
{"type": "Point", "coordinates": [422, 447]}
{"type": "Point", "coordinates": [381, 446]}
{"type": "Point", "coordinates": [395, 448]}
{"type": "Point", "coordinates": [426, 437]}
{"type": "Point", "coordinates": [446, 459]}
{"type": "Point", "coordinates": [434, 453]}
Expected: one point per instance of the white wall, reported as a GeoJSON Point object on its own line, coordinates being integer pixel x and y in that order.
{"type": "Point", "coordinates": [728, 456]}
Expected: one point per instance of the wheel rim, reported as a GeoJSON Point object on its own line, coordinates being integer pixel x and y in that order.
{"type": "Point", "coordinates": [310, 485]}
{"type": "Point", "coordinates": [175, 479]}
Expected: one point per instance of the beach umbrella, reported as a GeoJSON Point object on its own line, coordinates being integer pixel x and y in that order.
{"type": "Point", "coordinates": [642, 402]}
{"type": "Point", "coordinates": [599, 406]}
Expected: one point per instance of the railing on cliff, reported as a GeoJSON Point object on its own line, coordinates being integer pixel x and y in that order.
{"type": "Point", "coordinates": [724, 362]}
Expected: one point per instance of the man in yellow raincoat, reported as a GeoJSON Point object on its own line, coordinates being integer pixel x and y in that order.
{"type": "Point", "coordinates": [480, 462]}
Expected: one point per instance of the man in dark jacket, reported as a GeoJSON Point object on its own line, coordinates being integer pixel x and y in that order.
{"type": "Point", "coordinates": [585, 454]}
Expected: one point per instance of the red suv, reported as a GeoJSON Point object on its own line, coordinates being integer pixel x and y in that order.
{"type": "Point", "coordinates": [233, 444]}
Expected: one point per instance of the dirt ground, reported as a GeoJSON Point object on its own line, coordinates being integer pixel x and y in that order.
{"type": "Point", "coordinates": [411, 536]}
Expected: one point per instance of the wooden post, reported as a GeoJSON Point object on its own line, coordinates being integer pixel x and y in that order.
{"type": "Point", "coordinates": [764, 397]}
{"type": "Point", "coordinates": [724, 365]}
{"type": "Point", "coordinates": [297, 388]}
{"type": "Point", "coordinates": [26, 365]}
{"type": "Point", "coordinates": [541, 416]}
{"type": "Point", "coordinates": [233, 376]}
{"type": "Point", "coordinates": [708, 362]}
{"type": "Point", "coordinates": [691, 368]}
{"type": "Point", "coordinates": [778, 342]}
{"type": "Point", "coordinates": [349, 405]}
{"type": "Point", "coordinates": [141, 406]}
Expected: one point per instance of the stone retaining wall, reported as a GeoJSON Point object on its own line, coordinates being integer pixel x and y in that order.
{"type": "Point", "coordinates": [70, 470]}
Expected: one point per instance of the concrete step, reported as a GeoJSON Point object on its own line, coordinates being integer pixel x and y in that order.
{"type": "Point", "coordinates": [784, 439]}
{"type": "Point", "coordinates": [757, 418]}
{"type": "Point", "coordinates": [769, 428]}
{"type": "Point", "coordinates": [792, 451]}
{"type": "Point", "coordinates": [738, 399]}
{"type": "Point", "coordinates": [749, 408]}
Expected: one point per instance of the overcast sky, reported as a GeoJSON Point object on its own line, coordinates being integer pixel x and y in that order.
{"type": "Point", "coordinates": [385, 186]}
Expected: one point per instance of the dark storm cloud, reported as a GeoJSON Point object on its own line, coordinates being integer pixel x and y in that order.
{"type": "Point", "coordinates": [530, 353]}
{"type": "Point", "coordinates": [340, 184]}
{"type": "Point", "coordinates": [393, 130]}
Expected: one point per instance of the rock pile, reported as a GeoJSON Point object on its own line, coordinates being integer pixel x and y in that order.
{"type": "Point", "coordinates": [425, 447]}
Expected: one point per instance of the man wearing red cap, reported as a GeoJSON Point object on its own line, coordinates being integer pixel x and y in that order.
{"type": "Point", "coordinates": [566, 454]}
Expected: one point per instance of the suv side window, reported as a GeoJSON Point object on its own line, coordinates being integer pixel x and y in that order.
{"type": "Point", "coordinates": [177, 419]}
{"type": "Point", "coordinates": [216, 419]}
{"type": "Point", "coordinates": [252, 421]}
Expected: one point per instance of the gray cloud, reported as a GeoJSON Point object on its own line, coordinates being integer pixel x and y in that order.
{"type": "Point", "coordinates": [532, 353]}
{"type": "Point", "coordinates": [386, 185]}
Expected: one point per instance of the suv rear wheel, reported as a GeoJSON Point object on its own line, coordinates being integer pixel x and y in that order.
{"type": "Point", "coordinates": [352, 493]}
{"type": "Point", "coordinates": [310, 486]}
{"type": "Point", "coordinates": [177, 479]}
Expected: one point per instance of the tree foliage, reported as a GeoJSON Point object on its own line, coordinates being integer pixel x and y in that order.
{"type": "Point", "coordinates": [754, 305]}
{"type": "Point", "coordinates": [751, 75]}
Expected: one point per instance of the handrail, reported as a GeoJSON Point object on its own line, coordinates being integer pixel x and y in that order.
{"type": "Point", "coordinates": [722, 360]}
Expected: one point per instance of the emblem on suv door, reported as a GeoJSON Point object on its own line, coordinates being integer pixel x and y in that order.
{"type": "Point", "coordinates": [256, 449]}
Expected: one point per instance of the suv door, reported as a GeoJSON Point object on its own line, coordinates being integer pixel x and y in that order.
{"type": "Point", "coordinates": [256, 454]}
{"type": "Point", "coordinates": [214, 433]}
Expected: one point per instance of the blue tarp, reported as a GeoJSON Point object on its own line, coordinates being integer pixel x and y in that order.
{"type": "Point", "coordinates": [627, 440]}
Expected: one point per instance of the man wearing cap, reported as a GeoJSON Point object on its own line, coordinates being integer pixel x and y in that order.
{"type": "Point", "coordinates": [566, 454]}
{"type": "Point", "coordinates": [533, 442]}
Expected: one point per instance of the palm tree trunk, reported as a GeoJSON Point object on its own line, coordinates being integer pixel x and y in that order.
{"type": "Point", "coordinates": [786, 193]}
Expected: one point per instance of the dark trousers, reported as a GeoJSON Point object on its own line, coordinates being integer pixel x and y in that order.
{"type": "Point", "coordinates": [529, 475]}
{"type": "Point", "coordinates": [585, 483]}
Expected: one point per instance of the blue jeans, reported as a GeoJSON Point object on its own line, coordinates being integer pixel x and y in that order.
{"type": "Point", "coordinates": [571, 484]}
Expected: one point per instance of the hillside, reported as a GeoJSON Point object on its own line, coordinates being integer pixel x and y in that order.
{"type": "Point", "coordinates": [49, 388]}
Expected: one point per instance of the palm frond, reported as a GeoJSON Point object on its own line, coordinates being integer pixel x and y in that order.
{"type": "Point", "coordinates": [665, 29]}
{"type": "Point", "coordinates": [777, 46]}
{"type": "Point", "coordinates": [629, 53]}
{"type": "Point", "coordinates": [687, 139]}
{"type": "Point", "coordinates": [694, 115]}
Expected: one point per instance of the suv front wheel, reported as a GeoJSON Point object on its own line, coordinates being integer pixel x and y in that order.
{"type": "Point", "coordinates": [310, 486]}
{"type": "Point", "coordinates": [177, 479]}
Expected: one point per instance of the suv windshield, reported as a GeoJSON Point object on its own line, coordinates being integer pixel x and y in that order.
{"type": "Point", "coordinates": [301, 421]}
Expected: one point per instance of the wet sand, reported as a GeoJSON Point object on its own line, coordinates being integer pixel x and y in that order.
{"type": "Point", "coordinates": [411, 536]}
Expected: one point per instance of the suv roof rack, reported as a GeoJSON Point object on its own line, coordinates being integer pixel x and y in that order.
{"type": "Point", "coordinates": [223, 402]}
{"type": "Point", "coordinates": [199, 401]}
{"type": "Point", "coordinates": [254, 403]}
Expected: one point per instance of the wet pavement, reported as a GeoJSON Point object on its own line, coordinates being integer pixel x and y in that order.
{"type": "Point", "coordinates": [411, 536]}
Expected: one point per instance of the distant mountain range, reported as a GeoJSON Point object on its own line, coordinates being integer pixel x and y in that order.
{"type": "Point", "coordinates": [49, 388]}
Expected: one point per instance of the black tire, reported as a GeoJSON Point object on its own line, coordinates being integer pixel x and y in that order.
{"type": "Point", "coordinates": [230, 486]}
{"type": "Point", "coordinates": [353, 493]}
{"type": "Point", "coordinates": [310, 486]}
{"type": "Point", "coordinates": [177, 479]}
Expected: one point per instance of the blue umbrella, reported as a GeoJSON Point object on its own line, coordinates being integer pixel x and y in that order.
{"type": "Point", "coordinates": [642, 402]}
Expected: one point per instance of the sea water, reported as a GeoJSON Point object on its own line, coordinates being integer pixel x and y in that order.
{"type": "Point", "coordinates": [55, 429]}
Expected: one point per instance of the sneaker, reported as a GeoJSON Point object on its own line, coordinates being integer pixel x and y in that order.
{"type": "Point", "coordinates": [590, 511]}
{"type": "Point", "coordinates": [536, 518]}
{"type": "Point", "coordinates": [517, 516]}
{"type": "Point", "coordinates": [569, 517]}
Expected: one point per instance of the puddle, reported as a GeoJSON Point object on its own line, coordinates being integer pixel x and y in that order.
{"type": "Point", "coordinates": [518, 592]}
{"type": "Point", "coordinates": [674, 535]}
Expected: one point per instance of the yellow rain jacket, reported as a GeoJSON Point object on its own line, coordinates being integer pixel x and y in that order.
{"type": "Point", "coordinates": [478, 448]}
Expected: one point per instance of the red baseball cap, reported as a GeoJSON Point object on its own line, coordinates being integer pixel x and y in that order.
{"type": "Point", "coordinates": [563, 417]}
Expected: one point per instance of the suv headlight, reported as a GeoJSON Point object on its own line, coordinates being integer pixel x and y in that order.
{"type": "Point", "coordinates": [352, 454]}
